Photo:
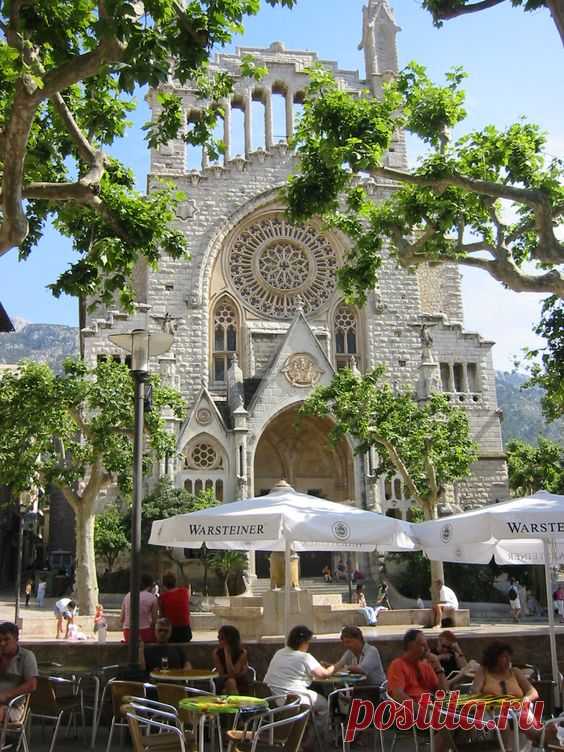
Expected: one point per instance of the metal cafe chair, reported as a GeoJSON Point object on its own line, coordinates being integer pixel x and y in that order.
{"type": "Point", "coordinates": [15, 732]}
{"type": "Point", "coordinates": [48, 705]}
{"type": "Point", "coordinates": [168, 739]}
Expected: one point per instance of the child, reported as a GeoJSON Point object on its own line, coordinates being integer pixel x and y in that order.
{"type": "Point", "coordinates": [75, 634]}
{"type": "Point", "coordinates": [28, 592]}
{"type": "Point", "coordinates": [100, 624]}
{"type": "Point", "coordinates": [41, 589]}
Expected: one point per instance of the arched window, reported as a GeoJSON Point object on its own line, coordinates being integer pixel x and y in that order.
{"type": "Point", "coordinates": [346, 336]}
{"type": "Point", "coordinates": [225, 339]}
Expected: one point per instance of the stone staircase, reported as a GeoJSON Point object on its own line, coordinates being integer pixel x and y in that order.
{"type": "Point", "coordinates": [313, 585]}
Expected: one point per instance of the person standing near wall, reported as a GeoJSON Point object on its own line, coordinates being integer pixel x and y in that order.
{"type": "Point", "coordinates": [174, 605]}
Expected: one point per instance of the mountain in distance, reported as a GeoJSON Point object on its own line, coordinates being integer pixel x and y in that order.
{"type": "Point", "coordinates": [522, 414]}
{"type": "Point", "coordinates": [52, 343]}
{"type": "Point", "coordinates": [45, 343]}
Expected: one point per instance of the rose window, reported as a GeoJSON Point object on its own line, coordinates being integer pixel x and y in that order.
{"type": "Point", "coordinates": [204, 457]}
{"type": "Point", "coordinates": [283, 266]}
{"type": "Point", "coordinates": [276, 267]}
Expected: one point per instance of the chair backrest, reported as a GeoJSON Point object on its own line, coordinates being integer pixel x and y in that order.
{"type": "Point", "coordinates": [281, 711]}
{"type": "Point", "coordinates": [151, 707]}
{"type": "Point", "coordinates": [172, 693]}
{"type": "Point", "coordinates": [290, 728]}
{"type": "Point", "coordinates": [22, 702]}
{"type": "Point", "coordinates": [44, 699]}
{"type": "Point", "coordinates": [174, 736]}
{"type": "Point", "coordinates": [297, 730]}
{"type": "Point", "coordinates": [134, 729]}
{"type": "Point", "coordinates": [121, 689]}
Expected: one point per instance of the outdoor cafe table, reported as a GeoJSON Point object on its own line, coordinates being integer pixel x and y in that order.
{"type": "Point", "coordinates": [185, 675]}
{"type": "Point", "coordinates": [491, 716]}
{"type": "Point", "coordinates": [211, 708]}
{"type": "Point", "coordinates": [341, 677]}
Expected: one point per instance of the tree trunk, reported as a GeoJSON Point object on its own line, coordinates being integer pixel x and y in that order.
{"type": "Point", "coordinates": [226, 585]}
{"type": "Point", "coordinates": [437, 569]}
{"type": "Point", "coordinates": [557, 10]}
{"type": "Point", "coordinates": [85, 572]}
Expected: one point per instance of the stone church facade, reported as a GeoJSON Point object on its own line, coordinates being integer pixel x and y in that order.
{"type": "Point", "coordinates": [258, 317]}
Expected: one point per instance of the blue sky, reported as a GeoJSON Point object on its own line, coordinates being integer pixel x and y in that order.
{"type": "Point", "coordinates": [514, 61]}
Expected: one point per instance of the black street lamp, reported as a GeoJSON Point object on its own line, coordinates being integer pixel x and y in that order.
{"type": "Point", "coordinates": [142, 345]}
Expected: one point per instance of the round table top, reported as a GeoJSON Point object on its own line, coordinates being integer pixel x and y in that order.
{"type": "Point", "coordinates": [341, 677]}
{"type": "Point", "coordinates": [223, 704]}
{"type": "Point", "coordinates": [47, 669]}
{"type": "Point", "coordinates": [183, 674]}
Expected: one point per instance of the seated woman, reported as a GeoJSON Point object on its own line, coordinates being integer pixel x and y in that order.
{"type": "Point", "coordinates": [231, 663]}
{"type": "Point", "coordinates": [161, 654]}
{"type": "Point", "coordinates": [370, 612]}
{"type": "Point", "coordinates": [496, 676]}
{"type": "Point", "coordinates": [450, 654]}
{"type": "Point", "coordinates": [293, 669]}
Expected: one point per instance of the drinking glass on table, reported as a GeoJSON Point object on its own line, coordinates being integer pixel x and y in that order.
{"type": "Point", "coordinates": [164, 663]}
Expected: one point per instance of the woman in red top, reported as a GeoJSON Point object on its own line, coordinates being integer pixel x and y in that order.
{"type": "Point", "coordinates": [174, 604]}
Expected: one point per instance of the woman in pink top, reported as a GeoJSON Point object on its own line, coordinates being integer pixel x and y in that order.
{"type": "Point", "coordinates": [148, 611]}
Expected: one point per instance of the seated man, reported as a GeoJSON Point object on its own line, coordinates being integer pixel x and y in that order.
{"type": "Point", "coordinates": [161, 654]}
{"type": "Point", "coordinates": [447, 605]}
{"type": "Point", "coordinates": [359, 657]}
{"type": "Point", "coordinates": [415, 673]}
{"type": "Point", "coordinates": [18, 672]}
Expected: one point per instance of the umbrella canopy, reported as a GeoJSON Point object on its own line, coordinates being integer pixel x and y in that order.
{"type": "Point", "coordinates": [531, 518]}
{"type": "Point", "coordinates": [529, 530]}
{"type": "Point", "coordinates": [282, 517]}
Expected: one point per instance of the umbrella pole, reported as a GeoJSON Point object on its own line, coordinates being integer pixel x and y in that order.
{"type": "Point", "coordinates": [551, 632]}
{"type": "Point", "coordinates": [287, 581]}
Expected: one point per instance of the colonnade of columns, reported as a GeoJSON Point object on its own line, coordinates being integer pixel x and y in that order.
{"type": "Point", "coordinates": [244, 103]}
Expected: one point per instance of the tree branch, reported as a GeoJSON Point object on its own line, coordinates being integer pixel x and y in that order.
{"type": "Point", "coordinates": [80, 422]}
{"type": "Point", "coordinates": [445, 14]}
{"type": "Point", "coordinates": [508, 274]}
{"type": "Point", "coordinates": [14, 225]}
{"type": "Point", "coordinates": [72, 497]}
{"type": "Point", "coordinates": [97, 480]}
{"type": "Point", "coordinates": [81, 67]}
{"type": "Point", "coordinates": [431, 473]}
{"type": "Point", "coordinates": [396, 461]}
{"type": "Point", "coordinates": [549, 250]}
{"type": "Point", "coordinates": [556, 8]}
{"type": "Point", "coordinates": [525, 196]}
{"type": "Point", "coordinates": [82, 192]}
{"type": "Point", "coordinates": [85, 149]}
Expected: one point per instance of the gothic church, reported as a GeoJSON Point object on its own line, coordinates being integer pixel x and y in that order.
{"type": "Point", "coordinates": [259, 319]}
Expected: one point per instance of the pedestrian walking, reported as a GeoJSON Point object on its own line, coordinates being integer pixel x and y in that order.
{"type": "Point", "coordinates": [28, 592]}
{"type": "Point", "coordinates": [41, 590]}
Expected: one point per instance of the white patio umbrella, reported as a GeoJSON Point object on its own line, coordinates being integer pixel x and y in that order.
{"type": "Point", "coordinates": [284, 520]}
{"type": "Point", "coordinates": [529, 530]}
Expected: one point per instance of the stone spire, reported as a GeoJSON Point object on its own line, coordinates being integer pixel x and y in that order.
{"type": "Point", "coordinates": [378, 41]}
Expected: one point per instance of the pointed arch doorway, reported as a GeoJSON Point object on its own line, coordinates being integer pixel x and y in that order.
{"type": "Point", "coordinates": [296, 449]}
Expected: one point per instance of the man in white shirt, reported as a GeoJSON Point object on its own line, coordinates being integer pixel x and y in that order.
{"type": "Point", "coordinates": [359, 657]}
{"type": "Point", "coordinates": [447, 605]}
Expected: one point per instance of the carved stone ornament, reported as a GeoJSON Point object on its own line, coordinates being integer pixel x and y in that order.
{"type": "Point", "coordinates": [302, 370]}
{"type": "Point", "coordinates": [276, 266]}
{"type": "Point", "coordinates": [203, 416]}
{"type": "Point", "coordinates": [186, 210]}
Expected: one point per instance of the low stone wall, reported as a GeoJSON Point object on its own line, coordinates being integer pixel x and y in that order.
{"type": "Point", "coordinates": [422, 617]}
{"type": "Point", "coordinates": [529, 646]}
